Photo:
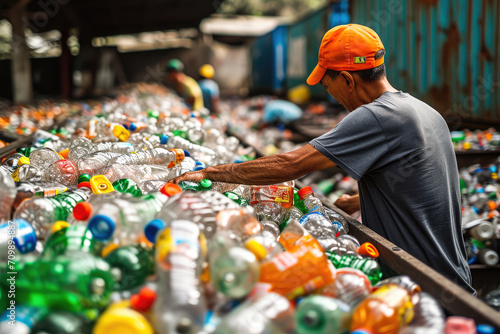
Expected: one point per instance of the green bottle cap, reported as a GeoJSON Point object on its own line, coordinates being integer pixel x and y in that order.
{"type": "Point", "coordinates": [84, 178]}
{"type": "Point", "coordinates": [206, 184]}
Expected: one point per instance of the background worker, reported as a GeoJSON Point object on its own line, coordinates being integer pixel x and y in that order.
{"type": "Point", "coordinates": [397, 148]}
{"type": "Point", "coordinates": [209, 89]}
{"type": "Point", "coordinates": [185, 86]}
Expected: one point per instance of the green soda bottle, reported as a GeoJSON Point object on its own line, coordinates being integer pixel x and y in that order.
{"type": "Point", "coordinates": [322, 315]}
{"type": "Point", "coordinates": [41, 213]}
{"type": "Point", "coordinates": [368, 266]}
{"type": "Point", "coordinates": [127, 186]}
{"type": "Point", "coordinates": [74, 238]}
{"type": "Point", "coordinates": [26, 151]}
{"type": "Point", "coordinates": [236, 198]}
{"type": "Point", "coordinates": [203, 185]}
{"type": "Point", "coordinates": [131, 265]}
{"type": "Point", "coordinates": [74, 282]}
{"type": "Point", "coordinates": [298, 203]}
{"type": "Point", "coordinates": [62, 322]}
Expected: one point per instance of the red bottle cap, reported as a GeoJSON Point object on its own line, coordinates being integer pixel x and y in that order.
{"type": "Point", "coordinates": [170, 189]}
{"type": "Point", "coordinates": [304, 191]}
{"type": "Point", "coordinates": [143, 300]}
{"type": "Point", "coordinates": [84, 185]}
{"type": "Point", "coordinates": [82, 211]}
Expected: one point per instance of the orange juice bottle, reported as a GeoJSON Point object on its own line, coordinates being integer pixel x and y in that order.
{"type": "Point", "coordinates": [301, 269]}
{"type": "Point", "coordinates": [386, 310]}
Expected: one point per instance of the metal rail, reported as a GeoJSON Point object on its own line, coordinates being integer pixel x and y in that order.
{"type": "Point", "coordinates": [452, 297]}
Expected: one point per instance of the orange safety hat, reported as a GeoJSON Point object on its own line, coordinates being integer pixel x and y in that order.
{"type": "Point", "coordinates": [350, 47]}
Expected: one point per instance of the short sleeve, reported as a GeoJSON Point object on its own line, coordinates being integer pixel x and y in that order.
{"type": "Point", "coordinates": [355, 144]}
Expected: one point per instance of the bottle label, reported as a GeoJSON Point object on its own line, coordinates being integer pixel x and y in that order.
{"type": "Point", "coordinates": [279, 194]}
{"type": "Point", "coordinates": [398, 298]}
{"type": "Point", "coordinates": [305, 218]}
{"type": "Point", "coordinates": [284, 261]}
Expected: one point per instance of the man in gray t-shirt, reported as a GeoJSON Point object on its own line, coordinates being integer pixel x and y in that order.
{"type": "Point", "coordinates": [397, 147]}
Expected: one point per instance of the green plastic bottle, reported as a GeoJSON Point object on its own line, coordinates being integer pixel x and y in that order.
{"type": "Point", "coordinates": [203, 185]}
{"type": "Point", "coordinates": [127, 186]}
{"type": "Point", "coordinates": [322, 315]}
{"type": "Point", "coordinates": [291, 213]}
{"type": "Point", "coordinates": [131, 265]}
{"type": "Point", "coordinates": [62, 322]}
{"type": "Point", "coordinates": [298, 203]}
{"type": "Point", "coordinates": [74, 238]}
{"type": "Point", "coordinates": [74, 282]}
{"type": "Point", "coordinates": [236, 198]}
{"type": "Point", "coordinates": [368, 266]}
{"type": "Point", "coordinates": [26, 151]}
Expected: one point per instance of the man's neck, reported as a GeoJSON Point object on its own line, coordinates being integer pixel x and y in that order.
{"type": "Point", "coordinates": [373, 91]}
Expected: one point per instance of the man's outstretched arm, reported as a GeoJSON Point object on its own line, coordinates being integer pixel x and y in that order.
{"type": "Point", "coordinates": [266, 170]}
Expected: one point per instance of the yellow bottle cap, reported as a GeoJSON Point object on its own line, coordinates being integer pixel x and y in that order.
{"type": "Point", "coordinates": [257, 249]}
{"type": "Point", "coordinates": [23, 161]}
{"type": "Point", "coordinates": [494, 176]}
{"type": "Point", "coordinates": [59, 225]}
{"type": "Point", "coordinates": [108, 249]}
{"type": "Point", "coordinates": [122, 321]}
{"type": "Point", "coordinates": [101, 185]}
{"type": "Point", "coordinates": [15, 175]}
{"type": "Point", "coordinates": [121, 133]}
{"type": "Point", "coordinates": [467, 146]}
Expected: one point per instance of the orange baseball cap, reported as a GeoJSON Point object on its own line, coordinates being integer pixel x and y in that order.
{"type": "Point", "coordinates": [350, 47]}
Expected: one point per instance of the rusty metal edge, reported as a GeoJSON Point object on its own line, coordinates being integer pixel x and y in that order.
{"type": "Point", "coordinates": [451, 297]}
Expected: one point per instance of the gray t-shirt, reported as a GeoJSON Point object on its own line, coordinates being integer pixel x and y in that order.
{"type": "Point", "coordinates": [399, 150]}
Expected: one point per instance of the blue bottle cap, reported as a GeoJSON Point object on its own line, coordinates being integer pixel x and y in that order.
{"type": "Point", "coordinates": [237, 161]}
{"type": "Point", "coordinates": [101, 227]}
{"type": "Point", "coordinates": [163, 139]}
{"type": "Point", "coordinates": [485, 329]}
{"type": "Point", "coordinates": [480, 190]}
{"type": "Point", "coordinates": [193, 115]}
{"type": "Point", "coordinates": [360, 331]}
{"type": "Point", "coordinates": [132, 127]}
{"type": "Point", "coordinates": [186, 153]}
{"type": "Point", "coordinates": [199, 163]}
{"type": "Point", "coordinates": [25, 239]}
{"type": "Point", "coordinates": [152, 228]}
{"type": "Point", "coordinates": [493, 168]}
{"type": "Point", "coordinates": [198, 168]}
{"type": "Point", "coordinates": [125, 126]}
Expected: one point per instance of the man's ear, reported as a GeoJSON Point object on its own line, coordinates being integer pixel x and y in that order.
{"type": "Point", "coordinates": [349, 80]}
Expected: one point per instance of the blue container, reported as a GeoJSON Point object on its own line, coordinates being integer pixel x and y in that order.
{"type": "Point", "coordinates": [269, 61]}
{"type": "Point", "coordinates": [445, 52]}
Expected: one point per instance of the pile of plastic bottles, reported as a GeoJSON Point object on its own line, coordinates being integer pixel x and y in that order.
{"type": "Point", "coordinates": [478, 140]}
{"type": "Point", "coordinates": [97, 240]}
{"type": "Point", "coordinates": [480, 217]}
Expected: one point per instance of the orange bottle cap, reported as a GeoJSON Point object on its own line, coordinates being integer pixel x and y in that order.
{"type": "Point", "coordinates": [492, 205]}
{"type": "Point", "coordinates": [64, 153]}
{"type": "Point", "coordinates": [82, 211]}
{"type": "Point", "coordinates": [170, 189]}
{"type": "Point", "coordinates": [368, 249]}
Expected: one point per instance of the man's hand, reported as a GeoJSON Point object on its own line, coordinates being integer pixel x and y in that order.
{"type": "Point", "coordinates": [189, 176]}
{"type": "Point", "coordinates": [349, 204]}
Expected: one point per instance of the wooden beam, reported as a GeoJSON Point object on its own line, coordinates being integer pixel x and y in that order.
{"type": "Point", "coordinates": [20, 64]}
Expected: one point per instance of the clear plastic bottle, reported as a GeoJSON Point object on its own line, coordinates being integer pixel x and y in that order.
{"type": "Point", "coordinates": [264, 245]}
{"type": "Point", "coordinates": [198, 207]}
{"type": "Point", "coordinates": [8, 193]}
{"type": "Point", "coordinates": [320, 228]}
{"type": "Point", "coordinates": [180, 307]}
{"type": "Point", "coordinates": [429, 317]}
{"type": "Point", "coordinates": [156, 156]}
{"type": "Point", "coordinates": [234, 270]}
{"type": "Point", "coordinates": [291, 213]}
{"type": "Point", "coordinates": [123, 217]}
{"type": "Point", "coordinates": [351, 286]}
{"type": "Point", "coordinates": [260, 314]}
{"type": "Point", "coordinates": [43, 157]}
{"type": "Point", "coordinates": [312, 203]}
{"type": "Point", "coordinates": [96, 163]}
{"type": "Point", "coordinates": [270, 211]}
